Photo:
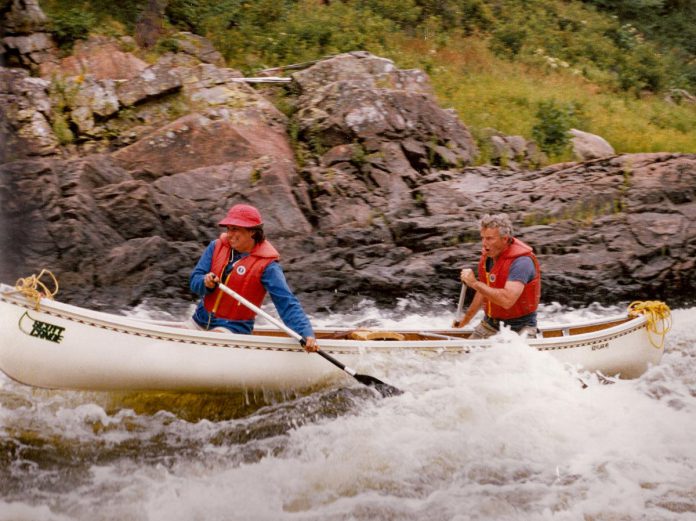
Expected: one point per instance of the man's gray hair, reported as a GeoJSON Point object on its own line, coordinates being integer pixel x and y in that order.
{"type": "Point", "coordinates": [500, 221]}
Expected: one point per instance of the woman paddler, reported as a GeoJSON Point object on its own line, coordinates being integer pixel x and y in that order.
{"type": "Point", "coordinates": [245, 261]}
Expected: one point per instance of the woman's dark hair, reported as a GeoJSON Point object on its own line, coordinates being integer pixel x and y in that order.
{"type": "Point", "coordinates": [258, 234]}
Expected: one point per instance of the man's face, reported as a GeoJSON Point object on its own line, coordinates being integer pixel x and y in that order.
{"type": "Point", "coordinates": [493, 243]}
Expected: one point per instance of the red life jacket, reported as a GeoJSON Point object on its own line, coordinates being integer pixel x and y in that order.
{"type": "Point", "coordinates": [531, 294]}
{"type": "Point", "coordinates": [245, 279]}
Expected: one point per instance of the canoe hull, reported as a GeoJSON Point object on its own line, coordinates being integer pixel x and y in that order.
{"type": "Point", "coordinates": [94, 356]}
{"type": "Point", "coordinates": [66, 347]}
{"type": "Point", "coordinates": [626, 352]}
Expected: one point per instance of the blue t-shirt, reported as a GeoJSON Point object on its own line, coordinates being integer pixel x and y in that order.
{"type": "Point", "coordinates": [522, 269]}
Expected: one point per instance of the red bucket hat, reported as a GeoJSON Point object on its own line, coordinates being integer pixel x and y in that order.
{"type": "Point", "coordinates": [242, 215]}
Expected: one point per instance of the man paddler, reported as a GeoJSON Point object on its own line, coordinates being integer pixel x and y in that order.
{"type": "Point", "coordinates": [245, 261]}
{"type": "Point", "coordinates": [508, 287]}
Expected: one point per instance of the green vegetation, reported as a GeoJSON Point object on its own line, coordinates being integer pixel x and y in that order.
{"type": "Point", "coordinates": [520, 67]}
{"type": "Point", "coordinates": [62, 96]}
{"type": "Point", "coordinates": [551, 131]}
{"type": "Point", "coordinates": [71, 25]}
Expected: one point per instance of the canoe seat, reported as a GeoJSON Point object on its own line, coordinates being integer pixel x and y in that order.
{"type": "Point", "coordinates": [369, 334]}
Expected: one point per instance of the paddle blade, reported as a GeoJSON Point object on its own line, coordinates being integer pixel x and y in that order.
{"type": "Point", "coordinates": [382, 388]}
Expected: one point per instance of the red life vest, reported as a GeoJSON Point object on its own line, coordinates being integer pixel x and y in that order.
{"type": "Point", "coordinates": [245, 279]}
{"type": "Point", "coordinates": [531, 294]}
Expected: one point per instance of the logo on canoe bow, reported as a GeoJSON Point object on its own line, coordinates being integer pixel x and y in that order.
{"type": "Point", "coordinates": [39, 329]}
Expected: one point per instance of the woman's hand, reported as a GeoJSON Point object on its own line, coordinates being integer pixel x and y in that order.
{"type": "Point", "coordinates": [311, 344]}
{"type": "Point", "coordinates": [210, 280]}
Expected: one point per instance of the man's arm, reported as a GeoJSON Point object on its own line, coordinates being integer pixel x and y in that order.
{"type": "Point", "coordinates": [504, 297]}
{"type": "Point", "coordinates": [471, 311]}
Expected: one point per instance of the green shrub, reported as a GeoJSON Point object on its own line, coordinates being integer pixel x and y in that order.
{"type": "Point", "coordinates": [404, 13]}
{"type": "Point", "coordinates": [508, 41]}
{"type": "Point", "coordinates": [643, 70]}
{"type": "Point", "coordinates": [186, 14]}
{"type": "Point", "coordinates": [71, 25]}
{"type": "Point", "coordinates": [466, 15]}
{"type": "Point", "coordinates": [126, 12]}
{"type": "Point", "coordinates": [554, 122]}
{"type": "Point", "coordinates": [167, 44]}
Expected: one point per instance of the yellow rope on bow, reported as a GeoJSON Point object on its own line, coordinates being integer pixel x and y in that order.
{"type": "Point", "coordinates": [33, 289]}
{"type": "Point", "coordinates": [658, 315]}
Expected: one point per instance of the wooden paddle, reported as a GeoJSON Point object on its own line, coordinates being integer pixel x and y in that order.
{"type": "Point", "coordinates": [383, 388]}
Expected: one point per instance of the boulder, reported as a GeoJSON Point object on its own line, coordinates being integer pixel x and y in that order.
{"type": "Point", "coordinates": [588, 146]}
{"type": "Point", "coordinates": [99, 57]}
{"type": "Point", "coordinates": [199, 140]}
{"type": "Point", "coordinates": [156, 80]}
{"type": "Point", "coordinates": [375, 130]}
{"type": "Point", "coordinates": [514, 151]}
{"type": "Point", "coordinates": [31, 51]}
{"type": "Point", "coordinates": [362, 98]}
{"type": "Point", "coordinates": [197, 46]}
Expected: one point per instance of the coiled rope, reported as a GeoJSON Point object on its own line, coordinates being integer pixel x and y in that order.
{"type": "Point", "coordinates": [659, 318]}
{"type": "Point", "coordinates": [34, 290]}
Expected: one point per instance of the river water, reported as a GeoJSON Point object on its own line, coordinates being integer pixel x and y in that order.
{"type": "Point", "coordinates": [503, 434]}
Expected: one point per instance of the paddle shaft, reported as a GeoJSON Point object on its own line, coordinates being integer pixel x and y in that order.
{"type": "Point", "coordinates": [460, 305]}
{"type": "Point", "coordinates": [282, 326]}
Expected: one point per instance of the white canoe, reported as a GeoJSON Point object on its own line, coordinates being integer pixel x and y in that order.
{"type": "Point", "coordinates": [67, 347]}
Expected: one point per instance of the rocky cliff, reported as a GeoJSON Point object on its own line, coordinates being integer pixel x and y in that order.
{"type": "Point", "coordinates": [115, 171]}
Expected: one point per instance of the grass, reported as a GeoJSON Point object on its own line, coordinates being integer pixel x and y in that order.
{"type": "Point", "coordinates": [490, 92]}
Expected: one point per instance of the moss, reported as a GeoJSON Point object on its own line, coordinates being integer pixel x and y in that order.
{"type": "Point", "coordinates": [61, 129]}
{"type": "Point", "coordinates": [63, 95]}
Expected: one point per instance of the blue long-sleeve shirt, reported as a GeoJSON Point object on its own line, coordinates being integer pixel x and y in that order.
{"type": "Point", "coordinates": [273, 279]}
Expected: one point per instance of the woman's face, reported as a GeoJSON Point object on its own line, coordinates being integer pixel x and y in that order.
{"type": "Point", "coordinates": [240, 238]}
